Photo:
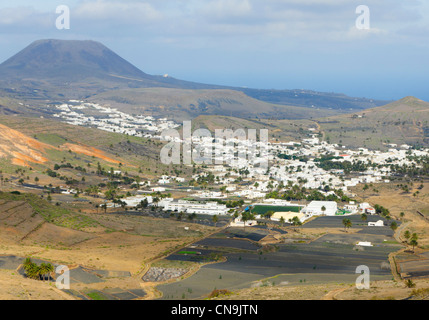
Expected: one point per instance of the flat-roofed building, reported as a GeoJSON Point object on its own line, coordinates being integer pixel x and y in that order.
{"type": "Point", "coordinates": [328, 208]}
{"type": "Point", "coordinates": [197, 207]}
{"type": "Point", "coordinates": [379, 223]}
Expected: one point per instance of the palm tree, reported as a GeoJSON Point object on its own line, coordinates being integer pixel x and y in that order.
{"type": "Point", "coordinates": [295, 222]}
{"type": "Point", "coordinates": [414, 243]}
{"type": "Point", "coordinates": [143, 204]}
{"type": "Point", "coordinates": [32, 270]}
{"type": "Point", "coordinates": [394, 225]}
{"type": "Point", "coordinates": [27, 262]}
{"type": "Point", "coordinates": [363, 216]}
{"type": "Point", "coordinates": [282, 221]}
{"type": "Point", "coordinates": [42, 271]}
{"type": "Point", "coordinates": [407, 235]}
{"type": "Point", "coordinates": [347, 223]}
{"type": "Point", "coordinates": [269, 214]}
{"type": "Point", "coordinates": [323, 209]}
{"type": "Point", "coordinates": [155, 201]}
{"type": "Point", "coordinates": [215, 219]}
{"type": "Point", "coordinates": [45, 269]}
{"type": "Point", "coordinates": [49, 268]}
{"type": "Point", "coordinates": [246, 216]}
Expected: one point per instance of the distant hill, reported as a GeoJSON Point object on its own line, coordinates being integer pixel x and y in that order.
{"type": "Point", "coordinates": [185, 104]}
{"type": "Point", "coordinates": [278, 130]}
{"type": "Point", "coordinates": [309, 98]}
{"type": "Point", "coordinates": [57, 70]}
{"type": "Point", "coordinates": [62, 69]}
{"type": "Point", "coordinates": [405, 121]}
{"type": "Point", "coordinates": [68, 60]}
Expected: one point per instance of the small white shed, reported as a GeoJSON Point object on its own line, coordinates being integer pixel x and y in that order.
{"type": "Point", "coordinates": [379, 223]}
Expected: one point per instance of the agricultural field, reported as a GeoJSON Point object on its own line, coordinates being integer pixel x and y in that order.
{"type": "Point", "coordinates": [312, 260]}
{"type": "Point", "coordinates": [399, 262]}
{"type": "Point", "coordinates": [102, 250]}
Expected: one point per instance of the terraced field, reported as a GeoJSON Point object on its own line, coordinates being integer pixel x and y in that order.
{"type": "Point", "coordinates": [332, 258]}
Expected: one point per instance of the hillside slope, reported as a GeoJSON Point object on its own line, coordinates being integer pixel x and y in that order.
{"type": "Point", "coordinates": [23, 150]}
{"type": "Point", "coordinates": [278, 130]}
{"type": "Point", "coordinates": [39, 144]}
{"type": "Point", "coordinates": [180, 104]}
{"type": "Point", "coordinates": [405, 121]}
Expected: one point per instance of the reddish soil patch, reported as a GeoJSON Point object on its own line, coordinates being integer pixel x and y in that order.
{"type": "Point", "coordinates": [89, 151]}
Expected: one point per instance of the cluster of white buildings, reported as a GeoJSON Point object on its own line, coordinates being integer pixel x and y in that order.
{"type": "Point", "coordinates": [307, 173]}
{"type": "Point", "coordinates": [239, 154]}
{"type": "Point", "coordinates": [170, 179]}
{"type": "Point", "coordinates": [286, 170]}
{"type": "Point", "coordinates": [237, 164]}
{"type": "Point", "coordinates": [110, 119]}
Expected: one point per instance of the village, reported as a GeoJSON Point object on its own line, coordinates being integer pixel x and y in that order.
{"type": "Point", "coordinates": [109, 119]}
{"type": "Point", "coordinates": [314, 168]}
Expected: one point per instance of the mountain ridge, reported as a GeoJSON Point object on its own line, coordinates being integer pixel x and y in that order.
{"type": "Point", "coordinates": [77, 69]}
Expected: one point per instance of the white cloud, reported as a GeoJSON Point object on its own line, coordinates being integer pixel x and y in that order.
{"type": "Point", "coordinates": [18, 19]}
{"type": "Point", "coordinates": [117, 11]}
{"type": "Point", "coordinates": [294, 20]}
{"type": "Point", "coordinates": [226, 8]}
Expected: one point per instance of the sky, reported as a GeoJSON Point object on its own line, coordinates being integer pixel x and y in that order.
{"type": "Point", "coordinates": [267, 44]}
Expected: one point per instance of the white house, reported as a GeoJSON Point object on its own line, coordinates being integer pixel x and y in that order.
{"type": "Point", "coordinates": [237, 222]}
{"type": "Point", "coordinates": [353, 208]}
{"type": "Point", "coordinates": [366, 208]}
{"type": "Point", "coordinates": [134, 201]}
{"type": "Point", "coordinates": [315, 208]}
